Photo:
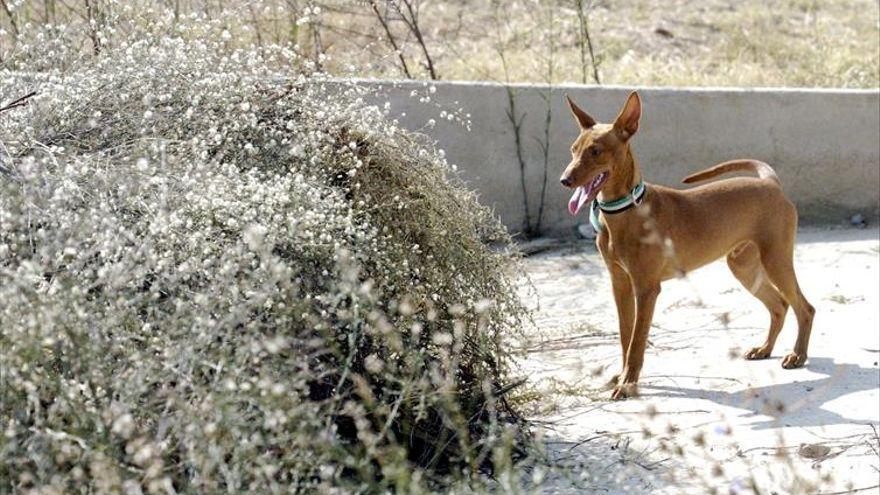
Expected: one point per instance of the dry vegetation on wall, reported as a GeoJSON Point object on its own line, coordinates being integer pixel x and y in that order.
{"type": "Point", "coordinates": [213, 282]}
{"type": "Point", "coordinates": [826, 43]}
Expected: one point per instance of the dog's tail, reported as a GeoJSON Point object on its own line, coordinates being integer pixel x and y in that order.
{"type": "Point", "coordinates": [763, 170]}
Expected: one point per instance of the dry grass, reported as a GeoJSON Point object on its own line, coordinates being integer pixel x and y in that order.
{"type": "Point", "coordinates": [703, 43]}
{"type": "Point", "coordinates": [804, 43]}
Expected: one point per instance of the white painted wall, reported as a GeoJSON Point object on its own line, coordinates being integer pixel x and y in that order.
{"type": "Point", "coordinates": [824, 144]}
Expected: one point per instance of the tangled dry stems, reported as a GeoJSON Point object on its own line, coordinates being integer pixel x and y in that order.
{"type": "Point", "coordinates": [215, 282]}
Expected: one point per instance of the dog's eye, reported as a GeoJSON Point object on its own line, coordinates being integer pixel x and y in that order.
{"type": "Point", "coordinates": [595, 151]}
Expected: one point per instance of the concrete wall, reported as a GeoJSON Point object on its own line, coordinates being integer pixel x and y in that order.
{"type": "Point", "coordinates": [822, 143]}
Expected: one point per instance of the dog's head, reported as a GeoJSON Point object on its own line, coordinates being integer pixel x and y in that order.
{"type": "Point", "coordinates": [598, 149]}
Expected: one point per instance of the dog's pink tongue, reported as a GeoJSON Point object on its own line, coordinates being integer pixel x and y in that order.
{"type": "Point", "coordinates": [577, 200]}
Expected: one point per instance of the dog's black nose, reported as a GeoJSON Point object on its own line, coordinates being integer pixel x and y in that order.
{"type": "Point", "coordinates": [566, 181]}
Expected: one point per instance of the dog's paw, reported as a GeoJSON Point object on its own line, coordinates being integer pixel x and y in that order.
{"type": "Point", "coordinates": [758, 353]}
{"type": "Point", "coordinates": [794, 360]}
{"type": "Point", "coordinates": [624, 390]}
{"type": "Point", "coordinates": [611, 383]}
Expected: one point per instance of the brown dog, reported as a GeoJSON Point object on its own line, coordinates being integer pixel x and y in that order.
{"type": "Point", "coordinates": [666, 232]}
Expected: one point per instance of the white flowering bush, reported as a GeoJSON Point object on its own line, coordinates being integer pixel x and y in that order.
{"type": "Point", "coordinates": [216, 280]}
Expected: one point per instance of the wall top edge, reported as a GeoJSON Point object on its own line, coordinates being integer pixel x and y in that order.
{"type": "Point", "coordinates": [412, 83]}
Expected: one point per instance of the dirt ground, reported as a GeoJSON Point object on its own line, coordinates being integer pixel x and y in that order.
{"type": "Point", "coordinates": [707, 418]}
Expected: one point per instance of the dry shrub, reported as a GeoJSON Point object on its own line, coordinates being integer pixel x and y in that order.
{"type": "Point", "coordinates": [212, 281]}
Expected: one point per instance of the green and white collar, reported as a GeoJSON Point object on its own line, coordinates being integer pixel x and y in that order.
{"type": "Point", "coordinates": [634, 198]}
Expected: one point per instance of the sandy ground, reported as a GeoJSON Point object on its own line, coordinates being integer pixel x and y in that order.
{"type": "Point", "coordinates": [707, 418]}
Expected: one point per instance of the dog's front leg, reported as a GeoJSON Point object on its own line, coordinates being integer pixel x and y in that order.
{"type": "Point", "coordinates": [645, 298]}
{"type": "Point", "coordinates": [625, 302]}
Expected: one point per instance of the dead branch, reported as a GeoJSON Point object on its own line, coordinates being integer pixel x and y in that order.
{"type": "Point", "coordinates": [92, 14]}
{"type": "Point", "coordinates": [19, 102]}
{"type": "Point", "coordinates": [390, 36]}
{"type": "Point", "coordinates": [12, 21]}
{"type": "Point", "coordinates": [413, 24]}
{"type": "Point", "coordinates": [585, 42]}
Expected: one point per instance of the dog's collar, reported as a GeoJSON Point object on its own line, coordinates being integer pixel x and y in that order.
{"type": "Point", "coordinates": [619, 205]}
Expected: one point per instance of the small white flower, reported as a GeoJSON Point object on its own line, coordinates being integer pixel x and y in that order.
{"type": "Point", "coordinates": [373, 364]}
{"type": "Point", "coordinates": [123, 425]}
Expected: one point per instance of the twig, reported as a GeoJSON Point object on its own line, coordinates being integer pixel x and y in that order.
{"type": "Point", "coordinates": [19, 102]}
{"type": "Point", "coordinates": [92, 12]}
{"type": "Point", "coordinates": [689, 411]}
{"type": "Point", "coordinates": [649, 466]}
{"type": "Point", "coordinates": [876, 441]}
{"type": "Point", "coordinates": [12, 21]}
{"type": "Point", "coordinates": [507, 388]}
{"type": "Point", "coordinates": [854, 490]}
{"type": "Point", "coordinates": [585, 41]}
{"type": "Point", "coordinates": [590, 439]}
{"type": "Point", "coordinates": [697, 376]}
{"type": "Point", "coordinates": [391, 39]}
{"type": "Point", "coordinates": [255, 21]}
{"type": "Point", "coordinates": [317, 41]}
{"type": "Point", "coordinates": [516, 122]}
{"type": "Point", "coordinates": [413, 24]}
{"type": "Point", "coordinates": [545, 146]}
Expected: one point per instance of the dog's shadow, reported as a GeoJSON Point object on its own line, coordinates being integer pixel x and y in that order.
{"type": "Point", "coordinates": [791, 404]}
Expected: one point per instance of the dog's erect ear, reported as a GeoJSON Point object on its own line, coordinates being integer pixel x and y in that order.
{"type": "Point", "coordinates": [627, 122]}
{"type": "Point", "coordinates": [584, 121]}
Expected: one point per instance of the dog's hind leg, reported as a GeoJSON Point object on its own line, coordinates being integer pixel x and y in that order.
{"type": "Point", "coordinates": [745, 263]}
{"type": "Point", "coordinates": [777, 258]}
{"type": "Point", "coordinates": [779, 266]}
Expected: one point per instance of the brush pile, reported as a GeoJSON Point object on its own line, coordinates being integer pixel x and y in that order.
{"type": "Point", "coordinates": [213, 281]}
